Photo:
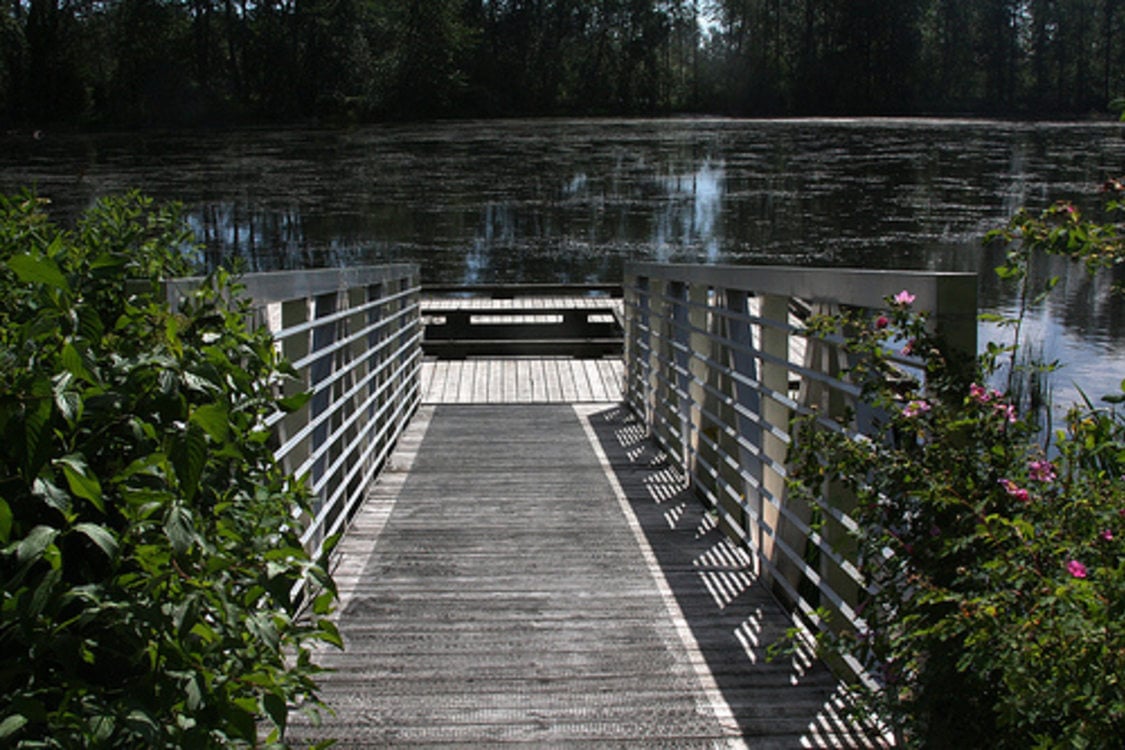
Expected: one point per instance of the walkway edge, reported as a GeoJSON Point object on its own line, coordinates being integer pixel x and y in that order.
{"type": "Point", "coordinates": [362, 535]}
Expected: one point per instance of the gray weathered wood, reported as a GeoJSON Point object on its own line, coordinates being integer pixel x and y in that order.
{"type": "Point", "coordinates": [539, 576]}
{"type": "Point", "coordinates": [522, 380]}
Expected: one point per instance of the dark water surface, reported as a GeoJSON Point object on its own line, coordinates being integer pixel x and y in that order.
{"type": "Point", "coordinates": [570, 200]}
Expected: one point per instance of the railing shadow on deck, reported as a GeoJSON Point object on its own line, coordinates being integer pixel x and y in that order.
{"type": "Point", "coordinates": [790, 700]}
{"type": "Point", "coordinates": [717, 365]}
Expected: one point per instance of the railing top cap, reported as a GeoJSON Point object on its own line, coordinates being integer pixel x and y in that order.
{"type": "Point", "coordinates": [275, 286]}
{"type": "Point", "coordinates": [851, 286]}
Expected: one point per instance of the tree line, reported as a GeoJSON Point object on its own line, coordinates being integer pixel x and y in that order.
{"type": "Point", "coordinates": [167, 62]}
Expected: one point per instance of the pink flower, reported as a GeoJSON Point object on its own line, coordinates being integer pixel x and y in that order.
{"type": "Point", "coordinates": [915, 408]}
{"type": "Point", "coordinates": [882, 322]}
{"type": "Point", "coordinates": [1076, 569]}
{"type": "Point", "coordinates": [1014, 490]}
{"type": "Point", "coordinates": [909, 348]}
{"type": "Point", "coordinates": [1042, 471]}
{"type": "Point", "coordinates": [979, 394]}
{"type": "Point", "coordinates": [1007, 410]}
{"type": "Point", "coordinates": [1107, 535]}
{"type": "Point", "coordinates": [904, 298]}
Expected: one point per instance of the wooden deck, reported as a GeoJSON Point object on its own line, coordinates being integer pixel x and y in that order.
{"type": "Point", "coordinates": [535, 574]}
{"type": "Point", "coordinates": [545, 380]}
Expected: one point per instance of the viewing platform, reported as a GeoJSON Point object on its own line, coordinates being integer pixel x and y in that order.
{"type": "Point", "coordinates": [577, 549]}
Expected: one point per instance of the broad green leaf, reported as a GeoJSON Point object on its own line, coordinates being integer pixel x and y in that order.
{"type": "Point", "coordinates": [243, 718]}
{"type": "Point", "coordinates": [294, 402]}
{"type": "Point", "coordinates": [44, 590]}
{"type": "Point", "coordinates": [35, 543]}
{"type": "Point", "coordinates": [69, 405]}
{"type": "Point", "coordinates": [101, 727]}
{"type": "Point", "coordinates": [36, 433]}
{"type": "Point", "coordinates": [38, 270]}
{"type": "Point", "coordinates": [212, 419]}
{"type": "Point", "coordinates": [189, 456]}
{"type": "Point", "coordinates": [322, 604]}
{"type": "Point", "coordinates": [99, 535]}
{"type": "Point", "coordinates": [12, 724]}
{"type": "Point", "coordinates": [193, 695]}
{"type": "Point", "coordinates": [276, 709]}
{"type": "Point", "coordinates": [143, 720]}
{"type": "Point", "coordinates": [81, 483]}
{"type": "Point", "coordinates": [204, 632]}
{"type": "Point", "coordinates": [179, 528]}
{"type": "Point", "coordinates": [74, 364]}
{"type": "Point", "coordinates": [330, 634]}
{"type": "Point", "coordinates": [51, 494]}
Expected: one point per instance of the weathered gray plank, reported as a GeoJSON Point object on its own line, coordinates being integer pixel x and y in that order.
{"type": "Point", "coordinates": [539, 578]}
{"type": "Point", "coordinates": [521, 380]}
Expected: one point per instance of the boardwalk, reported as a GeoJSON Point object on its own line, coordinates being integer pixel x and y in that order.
{"type": "Point", "coordinates": [535, 574]}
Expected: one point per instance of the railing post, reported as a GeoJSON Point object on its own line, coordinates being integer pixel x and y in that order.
{"type": "Point", "coordinates": [737, 357]}
{"type": "Point", "coordinates": [680, 351]}
{"type": "Point", "coordinates": [294, 348]}
{"type": "Point", "coordinates": [699, 348]}
{"type": "Point", "coordinates": [775, 379]}
{"type": "Point", "coordinates": [638, 345]}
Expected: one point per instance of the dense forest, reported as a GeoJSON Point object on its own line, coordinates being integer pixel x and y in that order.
{"type": "Point", "coordinates": [110, 63]}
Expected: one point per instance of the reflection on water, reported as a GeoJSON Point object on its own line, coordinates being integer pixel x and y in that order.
{"type": "Point", "coordinates": [691, 212]}
{"type": "Point", "coordinates": [571, 200]}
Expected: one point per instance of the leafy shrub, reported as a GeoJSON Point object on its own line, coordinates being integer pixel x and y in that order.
{"type": "Point", "coordinates": [994, 614]}
{"type": "Point", "coordinates": [149, 555]}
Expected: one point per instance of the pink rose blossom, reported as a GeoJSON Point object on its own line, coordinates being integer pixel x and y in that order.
{"type": "Point", "coordinates": [1042, 471]}
{"type": "Point", "coordinates": [1014, 490]}
{"type": "Point", "coordinates": [915, 408]}
{"type": "Point", "coordinates": [979, 394]}
{"type": "Point", "coordinates": [1076, 569]}
{"type": "Point", "coordinates": [904, 298]}
{"type": "Point", "coordinates": [909, 348]}
{"type": "Point", "coordinates": [1107, 535]}
{"type": "Point", "coordinates": [882, 322]}
{"type": "Point", "coordinates": [1007, 410]}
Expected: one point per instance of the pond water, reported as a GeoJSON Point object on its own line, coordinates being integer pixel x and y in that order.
{"type": "Point", "coordinates": [571, 200]}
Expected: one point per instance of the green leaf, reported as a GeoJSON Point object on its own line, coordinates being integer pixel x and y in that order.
{"type": "Point", "coordinates": [34, 544]}
{"type": "Point", "coordinates": [292, 403]}
{"type": "Point", "coordinates": [81, 483]}
{"type": "Point", "coordinates": [5, 521]}
{"type": "Point", "coordinates": [36, 435]}
{"type": "Point", "coordinates": [38, 270]}
{"type": "Point", "coordinates": [189, 456]}
{"type": "Point", "coordinates": [69, 405]}
{"type": "Point", "coordinates": [11, 725]}
{"type": "Point", "coordinates": [100, 536]}
{"type": "Point", "coordinates": [276, 709]}
{"type": "Point", "coordinates": [179, 528]}
{"type": "Point", "coordinates": [330, 634]}
{"type": "Point", "coordinates": [72, 360]}
{"type": "Point", "coordinates": [51, 494]}
{"type": "Point", "coordinates": [212, 419]}
{"type": "Point", "coordinates": [101, 727]}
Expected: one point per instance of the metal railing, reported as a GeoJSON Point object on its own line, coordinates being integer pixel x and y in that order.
{"type": "Point", "coordinates": [717, 366]}
{"type": "Point", "coordinates": [354, 337]}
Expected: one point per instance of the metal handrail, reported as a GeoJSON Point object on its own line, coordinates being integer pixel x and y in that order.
{"type": "Point", "coordinates": [717, 365]}
{"type": "Point", "coordinates": [354, 337]}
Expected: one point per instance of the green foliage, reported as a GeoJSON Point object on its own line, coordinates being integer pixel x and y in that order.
{"type": "Point", "coordinates": [161, 62]}
{"type": "Point", "coordinates": [149, 554]}
{"type": "Point", "coordinates": [995, 608]}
